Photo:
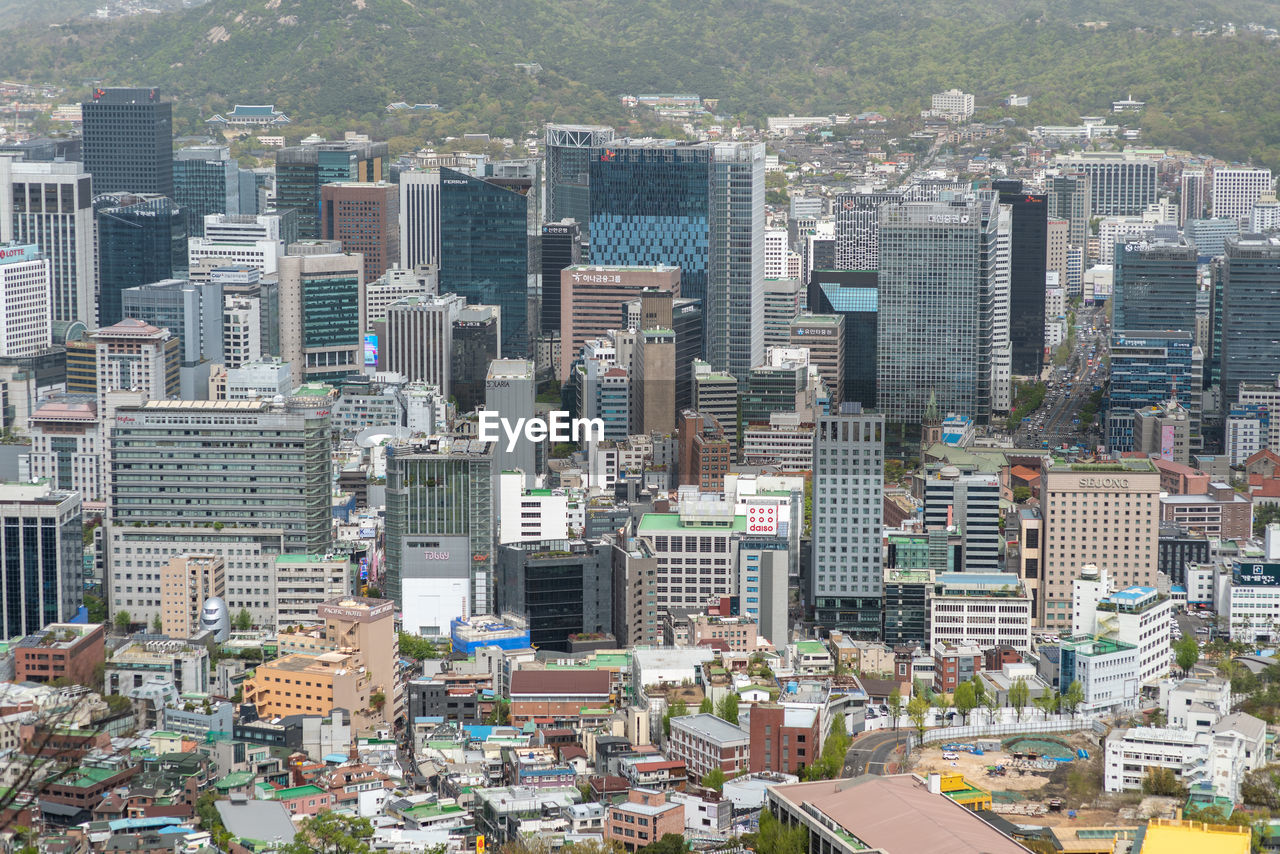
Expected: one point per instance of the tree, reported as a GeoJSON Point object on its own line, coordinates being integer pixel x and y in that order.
{"type": "Point", "coordinates": [417, 647]}
{"type": "Point", "coordinates": [678, 709]}
{"type": "Point", "coordinates": [706, 707]}
{"type": "Point", "coordinates": [377, 700]}
{"type": "Point", "coordinates": [776, 837]}
{"type": "Point", "coordinates": [1019, 693]}
{"type": "Point", "coordinates": [1186, 653]}
{"type": "Point", "coordinates": [500, 714]}
{"type": "Point", "coordinates": [331, 833]}
{"type": "Point", "coordinates": [157, 625]}
{"type": "Point", "coordinates": [1162, 781]}
{"type": "Point", "coordinates": [1021, 494]}
{"type": "Point", "coordinates": [96, 607]}
{"type": "Point", "coordinates": [831, 760]}
{"type": "Point", "coordinates": [123, 622]}
{"type": "Point", "coordinates": [991, 704]}
{"type": "Point", "coordinates": [1047, 703]}
{"type": "Point", "coordinates": [714, 779]}
{"type": "Point", "coordinates": [895, 707]}
{"type": "Point", "coordinates": [670, 843]}
{"type": "Point", "coordinates": [918, 714]}
{"type": "Point", "coordinates": [964, 700]}
{"type": "Point", "coordinates": [1074, 697]}
{"type": "Point", "coordinates": [943, 704]}
{"type": "Point", "coordinates": [728, 709]}
{"type": "Point", "coordinates": [244, 620]}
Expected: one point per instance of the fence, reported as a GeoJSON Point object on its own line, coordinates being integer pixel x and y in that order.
{"type": "Point", "coordinates": [1054, 723]}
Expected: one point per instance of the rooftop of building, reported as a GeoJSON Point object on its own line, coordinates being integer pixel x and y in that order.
{"type": "Point", "coordinates": [1127, 464]}
{"type": "Point", "coordinates": [651, 523]}
{"type": "Point", "coordinates": [1090, 645]}
{"type": "Point", "coordinates": [712, 728]}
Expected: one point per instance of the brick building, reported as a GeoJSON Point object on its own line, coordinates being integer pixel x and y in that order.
{"type": "Point", "coordinates": [70, 650]}
{"type": "Point", "coordinates": [784, 739]}
{"type": "Point", "coordinates": [642, 819]}
{"type": "Point", "coordinates": [558, 695]}
{"type": "Point", "coordinates": [703, 742]}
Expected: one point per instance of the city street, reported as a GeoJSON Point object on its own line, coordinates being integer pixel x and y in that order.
{"type": "Point", "coordinates": [1069, 388]}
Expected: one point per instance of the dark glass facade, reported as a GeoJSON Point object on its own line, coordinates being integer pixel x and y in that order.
{"type": "Point", "coordinates": [1028, 247]}
{"type": "Point", "coordinates": [1146, 370]}
{"type": "Point", "coordinates": [205, 186]}
{"type": "Point", "coordinates": [330, 317]}
{"type": "Point", "coordinates": [41, 566]}
{"type": "Point", "coordinates": [559, 588]}
{"type": "Point", "coordinates": [568, 157]}
{"type": "Point", "coordinates": [1250, 314]}
{"type": "Point", "coordinates": [140, 240]}
{"type": "Point", "coordinates": [561, 247]}
{"type": "Point", "coordinates": [128, 141]}
{"type": "Point", "coordinates": [302, 170]}
{"type": "Point", "coordinates": [475, 345]}
{"type": "Point", "coordinates": [651, 206]}
{"type": "Point", "coordinates": [484, 251]}
{"type": "Point", "coordinates": [854, 294]}
{"type": "Point", "coordinates": [1155, 287]}
{"type": "Point", "coordinates": [687, 321]}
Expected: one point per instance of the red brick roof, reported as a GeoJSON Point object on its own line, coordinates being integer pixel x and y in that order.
{"type": "Point", "coordinates": [539, 683]}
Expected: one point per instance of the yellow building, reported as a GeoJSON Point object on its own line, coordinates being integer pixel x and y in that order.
{"type": "Point", "coordinates": [185, 583]}
{"type": "Point", "coordinates": [347, 663]}
{"type": "Point", "coordinates": [1178, 836]}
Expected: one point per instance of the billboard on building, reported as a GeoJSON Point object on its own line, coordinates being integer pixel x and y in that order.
{"type": "Point", "coordinates": [1258, 574]}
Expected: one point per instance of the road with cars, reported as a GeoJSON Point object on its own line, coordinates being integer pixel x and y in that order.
{"type": "Point", "coordinates": [1069, 387]}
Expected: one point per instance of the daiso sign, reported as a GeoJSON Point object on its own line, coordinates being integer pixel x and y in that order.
{"type": "Point", "coordinates": [762, 519]}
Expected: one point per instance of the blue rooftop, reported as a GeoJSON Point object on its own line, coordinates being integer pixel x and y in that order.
{"type": "Point", "coordinates": [978, 579]}
{"type": "Point", "coordinates": [1131, 594]}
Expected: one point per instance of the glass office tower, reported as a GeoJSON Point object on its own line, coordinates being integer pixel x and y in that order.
{"type": "Point", "coordinates": [697, 206]}
{"type": "Point", "coordinates": [1155, 286]}
{"type": "Point", "coordinates": [1250, 313]}
{"type": "Point", "coordinates": [128, 141]}
{"type": "Point", "coordinates": [301, 171]}
{"type": "Point", "coordinates": [854, 294]}
{"type": "Point", "coordinates": [141, 239]}
{"type": "Point", "coordinates": [568, 156]}
{"type": "Point", "coordinates": [1028, 246]}
{"type": "Point", "coordinates": [484, 251]}
{"type": "Point", "coordinates": [1148, 369]}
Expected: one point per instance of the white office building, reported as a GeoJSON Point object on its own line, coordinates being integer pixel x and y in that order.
{"type": "Point", "coordinates": [1236, 191]}
{"type": "Point", "coordinates": [953, 104]}
{"type": "Point", "coordinates": [25, 317]}
{"type": "Point", "coordinates": [240, 239]}
{"type": "Point", "coordinates": [531, 515]}
{"type": "Point", "coordinates": [984, 609]}
{"type": "Point", "coordinates": [1140, 616]}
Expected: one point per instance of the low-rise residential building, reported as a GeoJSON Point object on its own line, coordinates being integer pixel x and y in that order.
{"type": "Point", "coordinates": [644, 818]}
{"type": "Point", "coordinates": [1220, 512]}
{"type": "Point", "coordinates": [1186, 702]}
{"type": "Point", "coordinates": [70, 651]}
{"type": "Point", "coordinates": [647, 772]}
{"type": "Point", "coordinates": [955, 664]}
{"type": "Point", "coordinates": [558, 695]}
{"type": "Point", "coordinates": [182, 665]}
{"type": "Point", "coordinates": [741, 634]}
{"type": "Point", "coordinates": [784, 738]}
{"type": "Point", "coordinates": [703, 742]}
{"type": "Point", "coordinates": [810, 658]}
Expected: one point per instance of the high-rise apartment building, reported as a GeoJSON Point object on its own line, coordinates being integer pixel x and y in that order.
{"type": "Point", "coordinates": [569, 151]}
{"type": "Point", "coordinates": [1155, 286]}
{"type": "Point", "coordinates": [1028, 256]}
{"type": "Point", "coordinates": [1236, 191]}
{"type": "Point", "coordinates": [128, 141]}
{"type": "Point", "coordinates": [1069, 198]}
{"type": "Point", "coordinates": [1192, 198]}
{"type": "Point", "coordinates": [140, 239]}
{"type": "Point", "coordinates": [591, 299]}
{"type": "Point", "coordinates": [848, 513]}
{"type": "Point", "coordinates": [51, 205]}
{"type": "Point", "coordinates": [208, 180]}
{"type": "Point", "coordinates": [201, 463]}
{"type": "Point", "coordinates": [702, 210]}
{"type": "Point", "coordinates": [858, 228]}
{"type": "Point", "coordinates": [1107, 515]}
{"type": "Point", "coordinates": [935, 318]}
{"type": "Point", "coordinates": [301, 171]}
{"type": "Point", "coordinates": [25, 321]}
{"type": "Point", "coordinates": [186, 582]}
{"type": "Point", "coordinates": [322, 315]}
{"type": "Point", "coordinates": [41, 557]}
{"type": "Point", "coordinates": [1120, 184]}
{"type": "Point", "coordinates": [364, 217]}
{"type": "Point", "coordinates": [1250, 336]}
{"type": "Point", "coordinates": [561, 248]}
{"type": "Point", "coordinates": [440, 531]}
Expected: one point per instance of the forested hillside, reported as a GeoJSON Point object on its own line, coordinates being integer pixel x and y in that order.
{"type": "Point", "coordinates": [346, 59]}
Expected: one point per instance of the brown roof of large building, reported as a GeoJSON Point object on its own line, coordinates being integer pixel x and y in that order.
{"type": "Point", "coordinates": [541, 683]}
{"type": "Point", "coordinates": [900, 816]}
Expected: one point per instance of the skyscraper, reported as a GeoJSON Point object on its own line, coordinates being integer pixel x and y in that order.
{"type": "Point", "coordinates": [561, 248]}
{"type": "Point", "coordinates": [568, 156]}
{"type": "Point", "coordinates": [1236, 191]}
{"type": "Point", "coordinates": [302, 170]}
{"type": "Point", "coordinates": [440, 531]}
{"type": "Point", "coordinates": [25, 324]}
{"type": "Point", "coordinates": [128, 141]}
{"type": "Point", "coordinates": [1028, 250]}
{"type": "Point", "coordinates": [698, 206]}
{"type": "Point", "coordinates": [935, 323]}
{"type": "Point", "coordinates": [1149, 369]}
{"type": "Point", "coordinates": [477, 335]}
{"type": "Point", "coordinates": [41, 557]}
{"type": "Point", "coordinates": [363, 217]}
{"type": "Point", "coordinates": [848, 513]}
{"type": "Point", "coordinates": [858, 228]}
{"type": "Point", "coordinates": [418, 339]}
{"type": "Point", "coordinates": [1120, 184]}
{"type": "Point", "coordinates": [140, 239]}
{"type": "Point", "coordinates": [322, 315]}
{"type": "Point", "coordinates": [246, 463]}
{"type": "Point", "coordinates": [1155, 286]}
{"type": "Point", "coordinates": [51, 205]}
{"type": "Point", "coordinates": [420, 218]}
{"type": "Point", "coordinates": [484, 251]}
{"type": "Point", "coordinates": [1191, 194]}
{"type": "Point", "coordinates": [592, 297]}
{"type": "Point", "coordinates": [1250, 313]}
{"type": "Point", "coordinates": [1069, 198]}
{"type": "Point", "coordinates": [207, 180]}
{"type": "Point", "coordinates": [854, 294]}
